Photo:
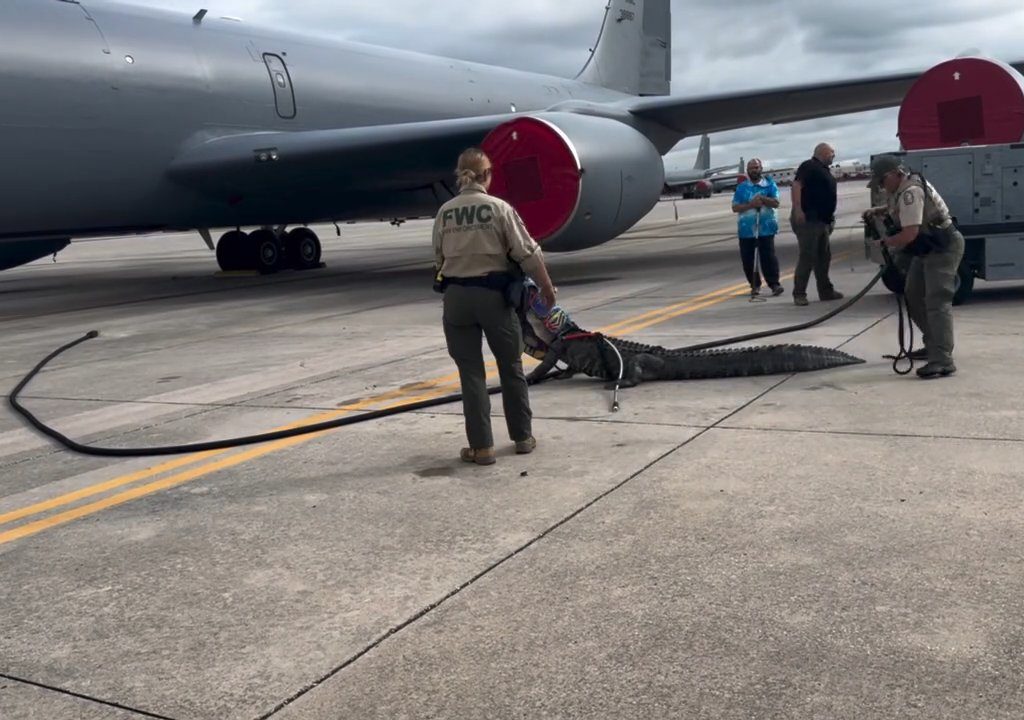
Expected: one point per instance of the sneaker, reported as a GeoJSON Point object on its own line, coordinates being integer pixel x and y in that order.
{"type": "Point", "coordinates": [934, 370]}
{"type": "Point", "coordinates": [800, 300]}
{"type": "Point", "coordinates": [480, 456]}
{"type": "Point", "coordinates": [777, 290]}
{"type": "Point", "coordinates": [755, 291]}
{"type": "Point", "coordinates": [527, 446]}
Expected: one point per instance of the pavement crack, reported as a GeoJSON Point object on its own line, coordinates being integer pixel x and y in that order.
{"type": "Point", "coordinates": [498, 563]}
{"type": "Point", "coordinates": [80, 696]}
{"type": "Point", "coordinates": [874, 434]}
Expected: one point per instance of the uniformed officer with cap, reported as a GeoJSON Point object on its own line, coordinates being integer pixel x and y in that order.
{"type": "Point", "coordinates": [930, 248]}
{"type": "Point", "coordinates": [481, 249]}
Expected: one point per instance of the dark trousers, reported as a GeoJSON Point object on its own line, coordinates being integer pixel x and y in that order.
{"type": "Point", "coordinates": [765, 247]}
{"type": "Point", "coordinates": [815, 256]}
{"type": "Point", "coordinates": [929, 290]}
{"type": "Point", "coordinates": [471, 314]}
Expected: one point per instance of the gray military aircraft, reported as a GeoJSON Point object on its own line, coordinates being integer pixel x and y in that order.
{"type": "Point", "coordinates": [695, 181]}
{"type": "Point", "coordinates": [117, 119]}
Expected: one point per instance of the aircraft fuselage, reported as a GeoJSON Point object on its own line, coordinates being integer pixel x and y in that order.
{"type": "Point", "coordinates": [97, 99]}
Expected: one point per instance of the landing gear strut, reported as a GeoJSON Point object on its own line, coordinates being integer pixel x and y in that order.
{"type": "Point", "coordinates": [268, 250]}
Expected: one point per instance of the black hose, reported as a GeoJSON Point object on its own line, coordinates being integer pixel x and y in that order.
{"type": "Point", "coordinates": [787, 329]}
{"type": "Point", "coordinates": [329, 424]}
{"type": "Point", "coordinates": [205, 446]}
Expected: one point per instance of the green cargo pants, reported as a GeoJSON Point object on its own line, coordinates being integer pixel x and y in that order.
{"type": "Point", "coordinates": [471, 313]}
{"type": "Point", "coordinates": [815, 256]}
{"type": "Point", "coordinates": [929, 289]}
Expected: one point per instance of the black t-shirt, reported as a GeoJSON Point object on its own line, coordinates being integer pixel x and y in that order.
{"type": "Point", "coordinates": [818, 191]}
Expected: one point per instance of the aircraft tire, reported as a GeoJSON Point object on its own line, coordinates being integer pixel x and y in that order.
{"type": "Point", "coordinates": [265, 249]}
{"type": "Point", "coordinates": [231, 251]}
{"type": "Point", "coordinates": [303, 248]}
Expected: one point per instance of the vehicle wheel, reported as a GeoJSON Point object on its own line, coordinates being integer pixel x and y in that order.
{"type": "Point", "coordinates": [303, 249]}
{"type": "Point", "coordinates": [964, 285]}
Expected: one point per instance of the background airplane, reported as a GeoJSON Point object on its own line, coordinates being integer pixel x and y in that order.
{"type": "Point", "coordinates": [691, 182]}
{"type": "Point", "coordinates": [118, 119]}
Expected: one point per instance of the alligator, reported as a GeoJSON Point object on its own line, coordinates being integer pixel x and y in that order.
{"type": "Point", "coordinates": [550, 335]}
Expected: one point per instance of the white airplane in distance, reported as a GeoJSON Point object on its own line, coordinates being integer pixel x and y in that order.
{"type": "Point", "coordinates": [850, 169]}
{"type": "Point", "coordinates": [845, 170]}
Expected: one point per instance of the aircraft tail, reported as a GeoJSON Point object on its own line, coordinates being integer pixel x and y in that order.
{"type": "Point", "coordinates": [634, 49]}
{"type": "Point", "coordinates": [703, 154]}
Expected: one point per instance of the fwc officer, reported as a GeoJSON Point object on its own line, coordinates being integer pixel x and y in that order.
{"type": "Point", "coordinates": [930, 249]}
{"type": "Point", "coordinates": [478, 240]}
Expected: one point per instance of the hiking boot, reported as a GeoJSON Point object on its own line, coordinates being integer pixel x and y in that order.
{"type": "Point", "coordinates": [832, 295]}
{"type": "Point", "coordinates": [919, 354]}
{"type": "Point", "coordinates": [799, 299]}
{"type": "Point", "coordinates": [777, 290]}
{"type": "Point", "coordinates": [480, 456]}
{"type": "Point", "coordinates": [935, 369]}
{"type": "Point", "coordinates": [525, 447]}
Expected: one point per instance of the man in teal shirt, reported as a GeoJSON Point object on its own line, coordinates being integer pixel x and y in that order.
{"type": "Point", "coordinates": [755, 201]}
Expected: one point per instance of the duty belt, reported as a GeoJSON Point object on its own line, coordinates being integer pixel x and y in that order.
{"type": "Point", "coordinates": [492, 281]}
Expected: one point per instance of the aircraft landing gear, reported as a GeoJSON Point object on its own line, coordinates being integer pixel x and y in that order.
{"type": "Point", "coordinates": [303, 248]}
{"type": "Point", "coordinates": [231, 251]}
{"type": "Point", "coordinates": [268, 250]}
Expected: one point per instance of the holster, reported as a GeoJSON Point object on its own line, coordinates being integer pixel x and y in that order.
{"type": "Point", "coordinates": [931, 239]}
{"type": "Point", "coordinates": [440, 282]}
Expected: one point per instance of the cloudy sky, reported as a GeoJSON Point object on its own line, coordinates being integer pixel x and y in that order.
{"type": "Point", "coordinates": [717, 46]}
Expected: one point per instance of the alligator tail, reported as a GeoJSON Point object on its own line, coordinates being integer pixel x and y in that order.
{"type": "Point", "coordinates": [751, 361]}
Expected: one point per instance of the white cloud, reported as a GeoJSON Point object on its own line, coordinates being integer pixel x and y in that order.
{"type": "Point", "coordinates": [717, 46]}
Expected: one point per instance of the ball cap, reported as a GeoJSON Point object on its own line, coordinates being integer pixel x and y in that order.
{"type": "Point", "coordinates": [880, 166]}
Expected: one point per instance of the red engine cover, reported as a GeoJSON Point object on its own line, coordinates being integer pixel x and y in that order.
{"type": "Point", "coordinates": [536, 170]}
{"type": "Point", "coordinates": [973, 101]}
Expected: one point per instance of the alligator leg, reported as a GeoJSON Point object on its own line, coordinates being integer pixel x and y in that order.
{"type": "Point", "coordinates": [538, 373]}
{"type": "Point", "coordinates": [639, 368]}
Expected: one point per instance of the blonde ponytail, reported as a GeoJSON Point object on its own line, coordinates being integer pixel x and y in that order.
{"type": "Point", "coordinates": [474, 167]}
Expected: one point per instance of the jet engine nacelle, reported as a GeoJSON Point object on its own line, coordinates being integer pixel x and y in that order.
{"type": "Point", "coordinates": [576, 180]}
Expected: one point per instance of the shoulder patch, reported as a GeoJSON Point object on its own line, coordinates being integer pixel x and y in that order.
{"type": "Point", "coordinates": [908, 198]}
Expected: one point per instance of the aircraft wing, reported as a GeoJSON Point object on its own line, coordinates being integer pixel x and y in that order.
{"type": "Point", "coordinates": [730, 111]}
{"type": "Point", "coordinates": [384, 157]}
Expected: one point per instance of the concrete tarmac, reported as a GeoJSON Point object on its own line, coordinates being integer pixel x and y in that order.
{"type": "Point", "coordinates": [838, 544]}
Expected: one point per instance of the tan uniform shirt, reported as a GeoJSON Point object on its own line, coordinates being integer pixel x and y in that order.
{"type": "Point", "coordinates": [909, 206]}
{"type": "Point", "coordinates": [476, 233]}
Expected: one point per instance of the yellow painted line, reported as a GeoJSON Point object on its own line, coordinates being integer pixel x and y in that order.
{"type": "Point", "coordinates": [171, 481]}
{"type": "Point", "coordinates": [698, 303]}
{"type": "Point", "coordinates": [633, 324]}
{"type": "Point", "coordinates": [130, 478]}
{"type": "Point", "coordinates": [623, 325]}
{"type": "Point", "coordinates": [102, 487]}
{"type": "Point", "coordinates": [693, 307]}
